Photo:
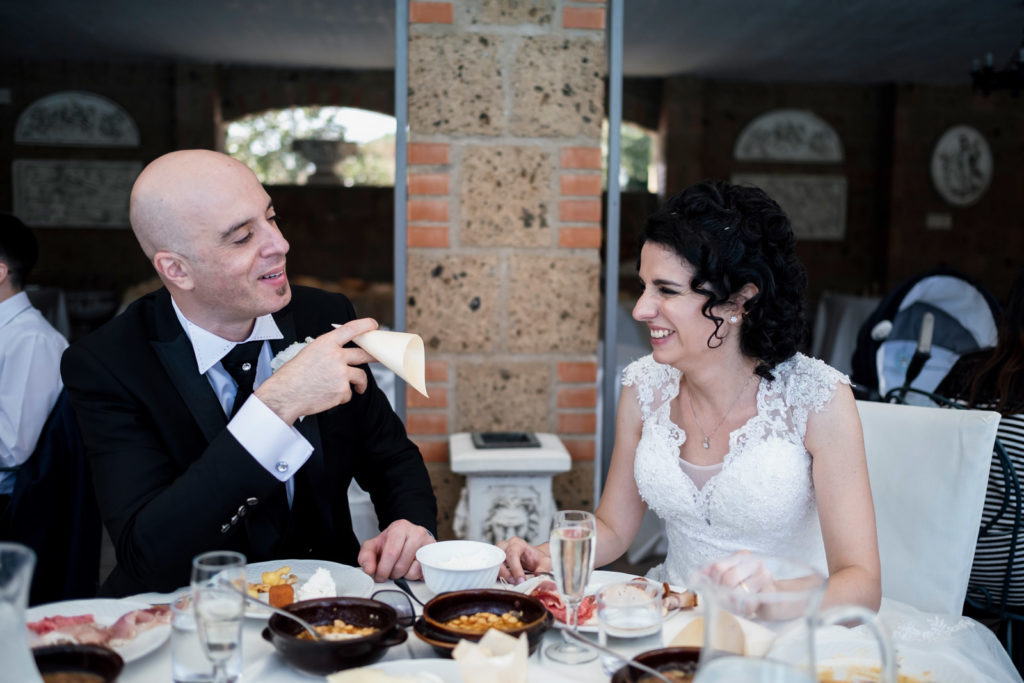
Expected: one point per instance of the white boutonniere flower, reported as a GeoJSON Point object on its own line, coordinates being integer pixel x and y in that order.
{"type": "Point", "coordinates": [287, 354]}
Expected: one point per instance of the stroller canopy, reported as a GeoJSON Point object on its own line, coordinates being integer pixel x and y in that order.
{"type": "Point", "coordinates": [964, 315]}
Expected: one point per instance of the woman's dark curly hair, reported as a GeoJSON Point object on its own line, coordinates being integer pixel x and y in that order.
{"type": "Point", "coordinates": [731, 236]}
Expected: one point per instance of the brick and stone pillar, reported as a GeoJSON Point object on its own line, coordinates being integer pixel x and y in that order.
{"type": "Point", "coordinates": [504, 226]}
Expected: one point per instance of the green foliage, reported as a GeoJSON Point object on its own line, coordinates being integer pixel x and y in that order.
{"type": "Point", "coordinates": [263, 142]}
{"type": "Point", "coordinates": [636, 156]}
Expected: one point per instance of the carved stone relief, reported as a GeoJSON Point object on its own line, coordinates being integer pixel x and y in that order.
{"type": "Point", "coordinates": [73, 193]}
{"type": "Point", "coordinates": [514, 511]}
{"type": "Point", "coordinates": [789, 135]}
{"type": "Point", "coordinates": [961, 165]}
{"type": "Point", "coordinates": [815, 204]}
{"type": "Point", "coordinates": [73, 117]}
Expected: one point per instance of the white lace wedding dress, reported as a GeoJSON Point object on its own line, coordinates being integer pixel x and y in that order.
{"type": "Point", "coordinates": [762, 500]}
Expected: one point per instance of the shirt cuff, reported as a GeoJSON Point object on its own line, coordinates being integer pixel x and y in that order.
{"type": "Point", "coordinates": [278, 447]}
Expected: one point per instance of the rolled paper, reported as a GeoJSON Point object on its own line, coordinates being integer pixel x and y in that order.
{"type": "Point", "coordinates": [400, 352]}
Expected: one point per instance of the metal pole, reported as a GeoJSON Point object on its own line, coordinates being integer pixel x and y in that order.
{"type": "Point", "coordinates": [401, 149]}
{"type": "Point", "coordinates": [611, 245]}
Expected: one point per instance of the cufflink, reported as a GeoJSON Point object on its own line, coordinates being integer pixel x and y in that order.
{"type": "Point", "coordinates": [281, 466]}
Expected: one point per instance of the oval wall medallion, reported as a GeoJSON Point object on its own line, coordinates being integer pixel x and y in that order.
{"type": "Point", "coordinates": [74, 117]}
{"type": "Point", "coordinates": [789, 135]}
{"type": "Point", "coordinates": [961, 165]}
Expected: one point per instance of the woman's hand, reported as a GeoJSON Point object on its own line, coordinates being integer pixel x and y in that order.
{"type": "Point", "coordinates": [521, 557]}
{"type": "Point", "coordinates": [741, 570]}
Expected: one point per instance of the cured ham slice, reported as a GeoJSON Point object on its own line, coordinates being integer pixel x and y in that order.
{"type": "Point", "coordinates": [84, 630]}
{"type": "Point", "coordinates": [547, 593]}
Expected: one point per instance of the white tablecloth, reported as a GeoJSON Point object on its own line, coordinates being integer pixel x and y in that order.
{"type": "Point", "coordinates": [950, 649]}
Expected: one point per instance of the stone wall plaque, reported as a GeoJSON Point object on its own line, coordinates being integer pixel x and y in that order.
{"type": "Point", "coordinates": [789, 135]}
{"type": "Point", "coordinates": [73, 117]}
{"type": "Point", "coordinates": [961, 165]}
{"type": "Point", "coordinates": [815, 204]}
{"type": "Point", "coordinates": [73, 193]}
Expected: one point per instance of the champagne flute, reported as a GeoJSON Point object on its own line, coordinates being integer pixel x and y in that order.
{"type": "Point", "coordinates": [218, 593]}
{"type": "Point", "coordinates": [573, 537]}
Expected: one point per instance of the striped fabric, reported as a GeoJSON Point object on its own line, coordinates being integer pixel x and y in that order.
{"type": "Point", "coordinates": [994, 547]}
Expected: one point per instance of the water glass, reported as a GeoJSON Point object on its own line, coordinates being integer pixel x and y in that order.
{"type": "Point", "coordinates": [17, 562]}
{"type": "Point", "coordinates": [629, 620]}
{"type": "Point", "coordinates": [218, 598]}
{"type": "Point", "coordinates": [189, 663]}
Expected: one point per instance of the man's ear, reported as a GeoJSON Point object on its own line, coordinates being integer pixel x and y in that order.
{"type": "Point", "coordinates": [5, 272]}
{"type": "Point", "coordinates": [174, 269]}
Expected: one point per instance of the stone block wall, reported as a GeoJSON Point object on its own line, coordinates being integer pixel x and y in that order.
{"type": "Point", "coordinates": [504, 226]}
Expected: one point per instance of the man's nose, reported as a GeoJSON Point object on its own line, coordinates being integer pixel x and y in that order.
{"type": "Point", "coordinates": [275, 241]}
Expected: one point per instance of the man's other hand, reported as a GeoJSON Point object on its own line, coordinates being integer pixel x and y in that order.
{"type": "Point", "coordinates": [392, 554]}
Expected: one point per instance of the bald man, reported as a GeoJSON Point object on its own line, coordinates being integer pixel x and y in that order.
{"type": "Point", "coordinates": [179, 468]}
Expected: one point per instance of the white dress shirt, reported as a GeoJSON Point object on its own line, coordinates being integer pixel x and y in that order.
{"type": "Point", "coordinates": [30, 351]}
{"type": "Point", "coordinates": [278, 447]}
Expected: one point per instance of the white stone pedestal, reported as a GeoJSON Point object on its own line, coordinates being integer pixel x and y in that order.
{"type": "Point", "coordinates": [508, 490]}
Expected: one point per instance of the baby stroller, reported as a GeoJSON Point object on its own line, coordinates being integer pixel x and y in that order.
{"type": "Point", "coordinates": [919, 330]}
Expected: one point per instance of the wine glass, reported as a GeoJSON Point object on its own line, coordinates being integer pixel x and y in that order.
{"type": "Point", "coordinates": [218, 593]}
{"type": "Point", "coordinates": [573, 537]}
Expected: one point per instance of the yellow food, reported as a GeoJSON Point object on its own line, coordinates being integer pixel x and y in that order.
{"type": "Point", "coordinates": [479, 622]}
{"type": "Point", "coordinates": [339, 630]}
{"type": "Point", "coordinates": [278, 577]}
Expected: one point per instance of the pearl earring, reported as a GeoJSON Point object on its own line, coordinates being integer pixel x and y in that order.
{"type": "Point", "coordinates": [733, 319]}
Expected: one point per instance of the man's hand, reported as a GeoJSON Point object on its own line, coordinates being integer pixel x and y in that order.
{"type": "Point", "coordinates": [321, 376]}
{"type": "Point", "coordinates": [392, 554]}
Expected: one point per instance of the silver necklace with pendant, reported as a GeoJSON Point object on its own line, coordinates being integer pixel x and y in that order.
{"type": "Point", "coordinates": [707, 435]}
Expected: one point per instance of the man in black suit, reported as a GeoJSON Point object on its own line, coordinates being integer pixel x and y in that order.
{"type": "Point", "coordinates": [181, 463]}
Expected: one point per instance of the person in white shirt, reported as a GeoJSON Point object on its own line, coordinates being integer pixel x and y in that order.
{"type": "Point", "coordinates": [30, 351]}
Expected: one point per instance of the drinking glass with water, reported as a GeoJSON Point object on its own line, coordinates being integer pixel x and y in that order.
{"type": "Point", "coordinates": [629, 620]}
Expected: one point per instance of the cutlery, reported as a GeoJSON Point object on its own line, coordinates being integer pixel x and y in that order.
{"type": "Point", "coordinates": [404, 585]}
{"type": "Point", "coordinates": [612, 653]}
{"type": "Point", "coordinates": [259, 603]}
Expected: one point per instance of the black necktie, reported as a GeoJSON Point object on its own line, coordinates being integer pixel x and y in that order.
{"type": "Point", "coordinates": [241, 365]}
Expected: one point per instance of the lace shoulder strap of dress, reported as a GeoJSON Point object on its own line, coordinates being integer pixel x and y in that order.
{"type": "Point", "coordinates": [655, 383]}
{"type": "Point", "coordinates": [809, 381]}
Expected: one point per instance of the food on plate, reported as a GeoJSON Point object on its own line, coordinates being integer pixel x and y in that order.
{"type": "Point", "coordinates": [860, 674]}
{"type": "Point", "coordinates": [278, 577]}
{"type": "Point", "coordinates": [478, 622]}
{"type": "Point", "coordinates": [320, 585]}
{"type": "Point", "coordinates": [72, 677]}
{"type": "Point", "coordinates": [673, 672]}
{"type": "Point", "coordinates": [673, 600]}
{"type": "Point", "coordinates": [729, 634]}
{"type": "Point", "coordinates": [84, 630]}
{"type": "Point", "coordinates": [547, 592]}
{"type": "Point", "coordinates": [281, 596]}
{"type": "Point", "coordinates": [338, 630]}
{"type": "Point", "coordinates": [472, 561]}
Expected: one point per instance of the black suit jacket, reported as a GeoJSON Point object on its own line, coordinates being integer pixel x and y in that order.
{"type": "Point", "coordinates": [172, 482]}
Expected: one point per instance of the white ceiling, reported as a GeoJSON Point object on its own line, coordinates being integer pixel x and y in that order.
{"type": "Point", "coordinates": [842, 41]}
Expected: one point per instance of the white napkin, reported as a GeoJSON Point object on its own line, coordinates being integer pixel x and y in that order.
{"type": "Point", "coordinates": [400, 352]}
{"type": "Point", "coordinates": [497, 658]}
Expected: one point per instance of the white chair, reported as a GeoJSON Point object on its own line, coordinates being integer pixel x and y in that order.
{"type": "Point", "coordinates": [928, 469]}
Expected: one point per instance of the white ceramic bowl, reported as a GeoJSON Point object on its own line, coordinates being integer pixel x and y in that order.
{"type": "Point", "coordinates": [460, 565]}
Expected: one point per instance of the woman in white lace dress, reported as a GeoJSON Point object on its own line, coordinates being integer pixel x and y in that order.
{"type": "Point", "coordinates": [737, 441]}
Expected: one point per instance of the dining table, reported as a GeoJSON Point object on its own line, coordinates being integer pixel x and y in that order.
{"type": "Point", "coordinates": [930, 648]}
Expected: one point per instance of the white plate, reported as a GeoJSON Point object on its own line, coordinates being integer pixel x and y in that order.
{"type": "Point", "coordinates": [598, 579]}
{"type": "Point", "coordinates": [351, 581]}
{"type": "Point", "coordinates": [425, 670]}
{"type": "Point", "coordinates": [105, 613]}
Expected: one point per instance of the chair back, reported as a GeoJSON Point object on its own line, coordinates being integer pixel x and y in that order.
{"type": "Point", "coordinates": [929, 470]}
{"type": "Point", "coordinates": [53, 511]}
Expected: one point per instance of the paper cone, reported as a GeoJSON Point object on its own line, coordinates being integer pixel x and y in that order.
{"type": "Point", "coordinates": [497, 658]}
{"type": "Point", "coordinates": [400, 352]}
